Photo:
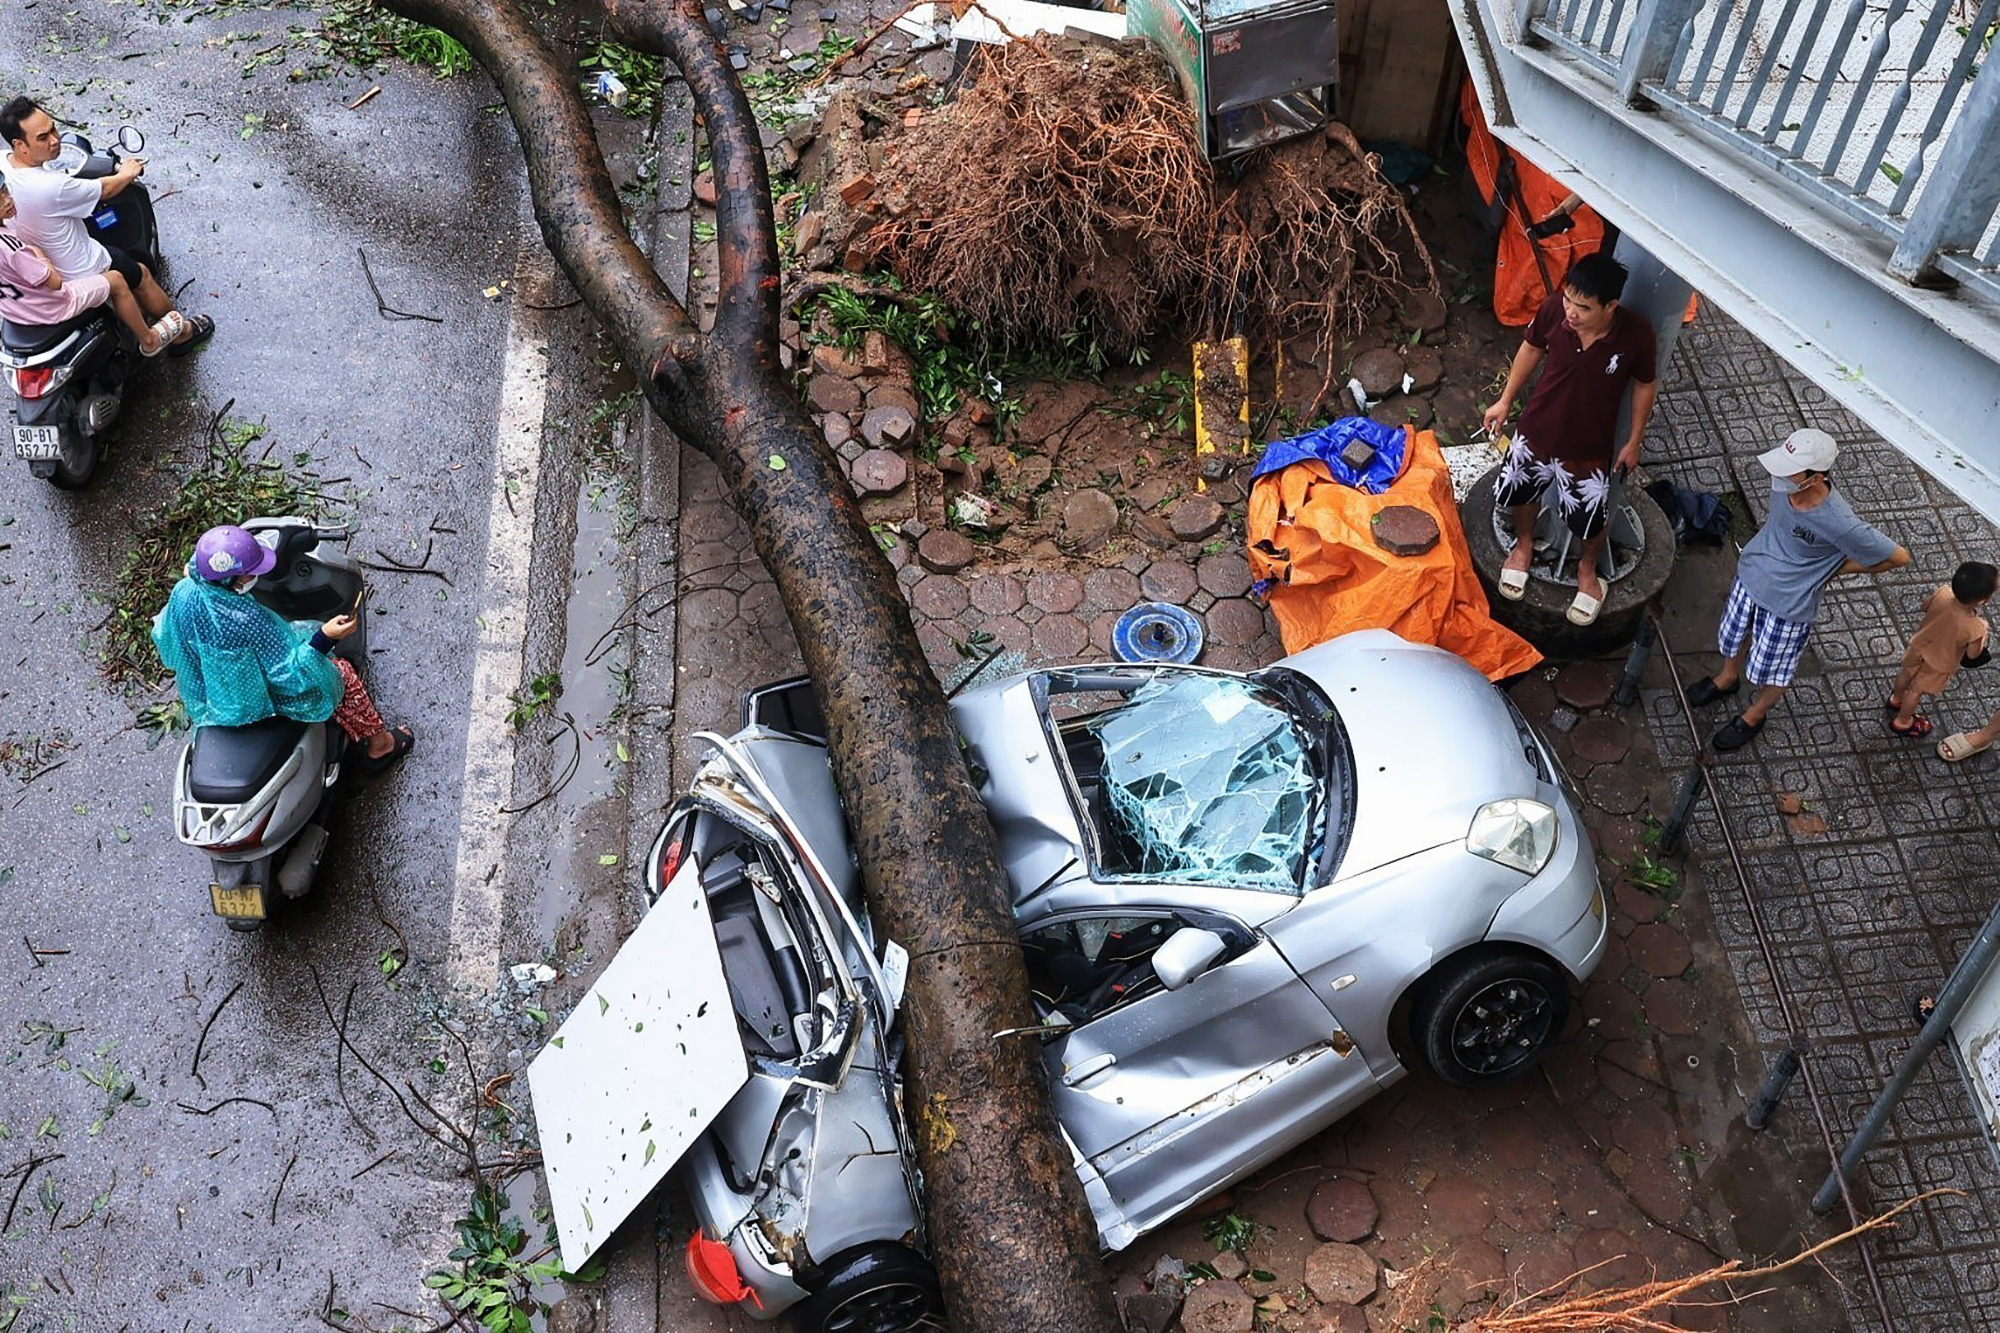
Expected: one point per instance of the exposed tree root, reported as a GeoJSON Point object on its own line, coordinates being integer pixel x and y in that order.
{"type": "Point", "coordinates": [1064, 190]}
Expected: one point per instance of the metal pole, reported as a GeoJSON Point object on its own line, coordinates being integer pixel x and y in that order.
{"type": "Point", "coordinates": [1769, 952]}
{"type": "Point", "coordinates": [1971, 970]}
{"type": "Point", "coordinates": [1685, 796]}
{"type": "Point", "coordinates": [1658, 295]}
{"type": "Point", "coordinates": [1635, 663]}
{"type": "Point", "coordinates": [1525, 13]}
{"type": "Point", "coordinates": [1766, 1102]}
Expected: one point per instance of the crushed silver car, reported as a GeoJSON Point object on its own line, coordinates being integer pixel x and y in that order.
{"type": "Point", "coordinates": [1245, 901]}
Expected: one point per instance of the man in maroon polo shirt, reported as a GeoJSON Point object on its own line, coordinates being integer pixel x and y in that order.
{"type": "Point", "coordinates": [1589, 349]}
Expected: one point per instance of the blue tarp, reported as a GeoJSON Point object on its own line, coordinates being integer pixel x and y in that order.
{"type": "Point", "coordinates": [1325, 445]}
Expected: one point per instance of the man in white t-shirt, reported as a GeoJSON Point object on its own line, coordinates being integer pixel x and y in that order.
{"type": "Point", "coordinates": [52, 208]}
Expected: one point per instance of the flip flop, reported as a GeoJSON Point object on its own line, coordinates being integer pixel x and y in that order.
{"type": "Point", "coordinates": [201, 329]}
{"type": "Point", "coordinates": [1583, 611]}
{"type": "Point", "coordinates": [1892, 703]}
{"type": "Point", "coordinates": [1704, 691]}
{"type": "Point", "coordinates": [406, 741]}
{"type": "Point", "coordinates": [169, 327]}
{"type": "Point", "coordinates": [1513, 584]}
{"type": "Point", "coordinates": [1959, 746]}
{"type": "Point", "coordinates": [1920, 727]}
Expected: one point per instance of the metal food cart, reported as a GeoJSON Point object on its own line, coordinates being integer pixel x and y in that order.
{"type": "Point", "coordinates": [1256, 71]}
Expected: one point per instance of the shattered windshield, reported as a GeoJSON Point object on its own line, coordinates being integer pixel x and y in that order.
{"type": "Point", "coordinates": [1190, 777]}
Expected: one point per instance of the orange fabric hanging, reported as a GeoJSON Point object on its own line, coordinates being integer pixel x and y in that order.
{"type": "Point", "coordinates": [1519, 287]}
{"type": "Point", "coordinates": [1311, 536]}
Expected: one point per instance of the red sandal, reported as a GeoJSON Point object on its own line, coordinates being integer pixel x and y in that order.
{"type": "Point", "coordinates": [1920, 726]}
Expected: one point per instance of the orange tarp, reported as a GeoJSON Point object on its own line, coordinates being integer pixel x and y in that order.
{"type": "Point", "coordinates": [1311, 536]}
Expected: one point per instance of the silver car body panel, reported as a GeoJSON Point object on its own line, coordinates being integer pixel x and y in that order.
{"type": "Point", "coordinates": [1419, 715]}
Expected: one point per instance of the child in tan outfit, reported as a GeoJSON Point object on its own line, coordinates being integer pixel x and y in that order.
{"type": "Point", "coordinates": [1952, 634]}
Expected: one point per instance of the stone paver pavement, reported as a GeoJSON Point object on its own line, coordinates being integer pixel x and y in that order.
{"type": "Point", "coordinates": [1874, 886]}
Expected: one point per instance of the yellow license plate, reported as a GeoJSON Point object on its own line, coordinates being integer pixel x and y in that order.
{"type": "Point", "coordinates": [244, 902]}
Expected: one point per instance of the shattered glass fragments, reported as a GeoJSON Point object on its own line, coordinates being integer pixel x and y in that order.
{"type": "Point", "coordinates": [1205, 780]}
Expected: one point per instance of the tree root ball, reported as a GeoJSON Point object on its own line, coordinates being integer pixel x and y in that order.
{"type": "Point", "coordinates": [1092, 211]}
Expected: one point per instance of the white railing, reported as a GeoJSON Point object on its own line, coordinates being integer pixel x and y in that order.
{"type": "Point", "coordinates": [1887, 109]}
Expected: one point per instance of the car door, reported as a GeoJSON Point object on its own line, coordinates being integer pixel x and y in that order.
{"type": "Point", "coordinates": [1172, 1093]}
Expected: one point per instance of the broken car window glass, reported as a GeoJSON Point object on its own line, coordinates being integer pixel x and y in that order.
{"type": "Point", "coordinates": [1202, 780]}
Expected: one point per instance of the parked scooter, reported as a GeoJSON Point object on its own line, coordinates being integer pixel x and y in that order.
{"type": "Point", "coordinates": [69, 378]}
{"type": "Point", "coordinates": [256, 798]}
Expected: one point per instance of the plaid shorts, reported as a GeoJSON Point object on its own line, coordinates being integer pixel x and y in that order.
{"type": "Point", "coordinates": [1775, 645]}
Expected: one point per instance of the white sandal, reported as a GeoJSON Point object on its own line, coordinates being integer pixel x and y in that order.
{"type": "Point", "coordinates": [169, 328]}
{"type": "Point", "coordinates": [1958, 747]}
{"type": "Point", "coordinates": [1583, 611]}
{"type": "Point", "coordinates": [1513, 584]}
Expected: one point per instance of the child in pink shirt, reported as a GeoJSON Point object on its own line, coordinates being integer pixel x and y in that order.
{"type": "Point", "coordinates": [31, 292]}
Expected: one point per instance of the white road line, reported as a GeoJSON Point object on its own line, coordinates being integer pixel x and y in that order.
{"type": "Point", "coordinates": [488, 786]}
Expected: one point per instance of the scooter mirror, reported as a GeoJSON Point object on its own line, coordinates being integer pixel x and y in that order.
{"type": "Point", "coordinates": [130, 140]}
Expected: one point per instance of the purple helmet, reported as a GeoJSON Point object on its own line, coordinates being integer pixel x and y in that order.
{"type": "Point", "coordinates": [230, 552]}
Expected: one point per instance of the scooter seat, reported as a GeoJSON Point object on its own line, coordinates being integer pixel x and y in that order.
{"type": "Point", "coordinates": [232, 764]}
{"type": "Point", "coordinates": [27, 339]}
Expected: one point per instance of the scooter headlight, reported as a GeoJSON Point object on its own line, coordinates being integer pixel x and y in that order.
{"type": "Point", "coordinates": [1520, 834]}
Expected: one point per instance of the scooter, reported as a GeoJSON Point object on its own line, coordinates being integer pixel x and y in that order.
{"type": "Point", "coordinates": [69, 378]}
{"type": "Point", "coordinates": [257, 798]}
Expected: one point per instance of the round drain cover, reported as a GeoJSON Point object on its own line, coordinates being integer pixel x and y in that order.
{"type": "Point", "coordinates": [1157, 632]}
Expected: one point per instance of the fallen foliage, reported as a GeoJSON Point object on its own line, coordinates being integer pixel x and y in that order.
{"type": "Point", "coordinates": [1064, 189]}
{"type": "Point", "coordinates": [228, 487]}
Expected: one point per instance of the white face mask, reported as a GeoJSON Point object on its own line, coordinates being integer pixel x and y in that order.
{"type": "Point", "coordinates": [245, 584]}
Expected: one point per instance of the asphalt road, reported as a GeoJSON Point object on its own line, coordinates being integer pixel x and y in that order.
{"type": "Point", "coordinates": [255, 1177]}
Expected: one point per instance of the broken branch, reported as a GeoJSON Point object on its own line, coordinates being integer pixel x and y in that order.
{"type": "Point", "coordinates": [279, 1193]}
{"type": "Point", "coordinates": [34, 1165]}
{"type": "Point", "coordinates": [382, 307]}
{"type": "Point", "coordinates": [195, 1068]}
{"type": "Point", "coordinates": [227, 1101]}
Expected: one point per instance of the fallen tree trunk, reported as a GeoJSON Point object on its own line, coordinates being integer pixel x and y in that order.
{"type": "Point", "coordinates": [1014, 1242]}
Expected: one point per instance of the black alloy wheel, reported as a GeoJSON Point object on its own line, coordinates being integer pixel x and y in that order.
{"type": "Point", "coordinates": [879, 1288]}
{"type": "Point", "coordinates": [1484, 1020]}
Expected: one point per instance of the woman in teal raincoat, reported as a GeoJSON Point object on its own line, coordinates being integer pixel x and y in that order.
{"type": "Point", "coordinates": [236, 661]}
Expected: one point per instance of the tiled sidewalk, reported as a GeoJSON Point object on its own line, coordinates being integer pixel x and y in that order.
{"type": "Point", "coordinates": [1873, 891]}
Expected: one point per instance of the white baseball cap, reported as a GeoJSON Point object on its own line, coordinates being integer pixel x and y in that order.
{"type": "Point", "coordinates": [1804, 450]}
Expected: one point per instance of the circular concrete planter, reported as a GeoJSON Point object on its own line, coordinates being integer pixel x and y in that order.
{"type": "Point", "coordinates": [1540, 617]}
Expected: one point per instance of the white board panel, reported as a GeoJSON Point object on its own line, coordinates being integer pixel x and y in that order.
{"type": "Point", "coordinates": [648, 1059]}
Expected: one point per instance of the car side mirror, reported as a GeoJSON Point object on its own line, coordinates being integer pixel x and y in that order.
{"type": "Point", "coordinates": [1186, 955]}
{"type": "Point", "coordinates": [130, 139]}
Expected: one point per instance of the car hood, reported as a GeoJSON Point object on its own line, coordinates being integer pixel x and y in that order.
{"type": "Point", "coordinates": [1432, 738]}
{"type": "Point", "coordinates": [637, 1072]}
{"type": "Point", "coordinates": [1021, 781]}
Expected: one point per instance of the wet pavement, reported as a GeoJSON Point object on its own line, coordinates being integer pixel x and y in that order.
{"type": "Point", "coordinates": [257, 1176]}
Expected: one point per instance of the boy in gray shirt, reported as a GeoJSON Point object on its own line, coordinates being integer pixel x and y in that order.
{"type": "Point", "coordinates": [1811, 536]}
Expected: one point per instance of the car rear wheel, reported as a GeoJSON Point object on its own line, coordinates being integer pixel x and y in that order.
{"type": "Point", "coordinates": [881, 1288]}
{"type": "Point", "coordinates": [1483, 1019]}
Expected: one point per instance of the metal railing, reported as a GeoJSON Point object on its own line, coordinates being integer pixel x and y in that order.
{"type": "Point", "coordinates": [1887, 109]}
